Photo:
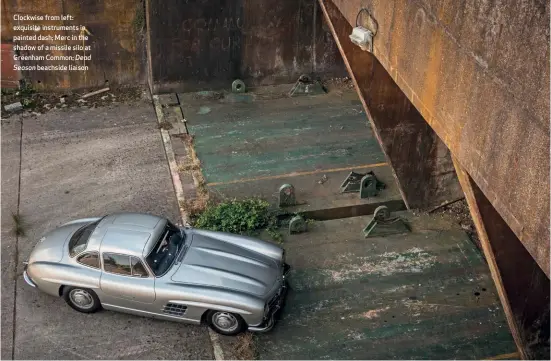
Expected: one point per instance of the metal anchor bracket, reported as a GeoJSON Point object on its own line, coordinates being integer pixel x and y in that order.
{"type": "Point", "coordinates": [382, 224]}
{"type": "Point", "coordinates": [287, 196]}
{"type": "Point", "coordinates": [306, 86]}
{"type": "Point", "coordinates": [366, 184]}
{"type": "Point", "coordinates": [238, 86]}
{"type": "Point", "coordinates": [297, 225]}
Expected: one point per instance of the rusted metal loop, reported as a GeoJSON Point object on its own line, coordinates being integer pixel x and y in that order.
{"type": "Point", "coordinates": [372, 20]}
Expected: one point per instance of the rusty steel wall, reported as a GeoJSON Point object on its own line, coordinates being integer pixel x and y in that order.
{"type": "Point", "coordinates": [200, 44]}
{"type": "Point", "coordinates": [478, 72]}
{"type": "Point", "coordinates": [118, 40]}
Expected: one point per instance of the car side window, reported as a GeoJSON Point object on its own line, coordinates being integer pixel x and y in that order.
{"type": "Point", "coordinates": [138, 269]}
{"type": "Point", "coordinates": [90, 259]}
{"type": "Point", "coordinates": [117, 263]}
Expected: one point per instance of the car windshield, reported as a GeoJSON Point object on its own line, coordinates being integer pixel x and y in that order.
{"type": "Point", "coordinates": [166, 249]}
{"type": "Point", "coordinates": [79, 240]}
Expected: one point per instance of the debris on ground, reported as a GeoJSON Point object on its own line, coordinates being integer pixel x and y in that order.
{"type": "Point", "coordinates": [338, 83]}
{"type": "Point", "coordinates": [13, 107]}
{"type": "Point", "coordinates": [460, 211]}
{"type": "Point", "coordinates": [95, 93]}
{"type": "Point", "coordinates": [323, 179]}
{"type": "Point", "coordinates": [42, 102]}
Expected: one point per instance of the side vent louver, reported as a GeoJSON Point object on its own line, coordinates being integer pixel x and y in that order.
{"type": "Point", "coordinates": [174, 309]}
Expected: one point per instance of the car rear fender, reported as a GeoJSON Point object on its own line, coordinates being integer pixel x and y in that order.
{"type": "Point", "coordinates": [49, 277]}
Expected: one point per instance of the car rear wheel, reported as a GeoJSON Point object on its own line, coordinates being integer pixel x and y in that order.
{"type": "Point", "coordinates": [81, 299]}
{"type": "Point", "coordinates": [226, 323]}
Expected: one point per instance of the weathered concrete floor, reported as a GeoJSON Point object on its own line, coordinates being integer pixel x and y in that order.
{"type": "Point", "coordinates": [253, 137]}
{"type": "Point", "coordinates": [11, 141]}
{"type": "Point", "coordinates": [74, 164]}
{"type": "Point", "coordinates": [424, 295]}
{"type": "Point", "coordinates": [251, 144]}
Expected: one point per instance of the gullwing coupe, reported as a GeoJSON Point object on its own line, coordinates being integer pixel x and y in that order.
{"type": "Point", "coordinates": [145, 265]}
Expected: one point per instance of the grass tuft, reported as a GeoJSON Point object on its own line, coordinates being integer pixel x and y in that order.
{"type": "Point", "coordinates": [189, 167]}
{"type": "Point", "coordinates": [19, 228]}
{"type": "Point", "coordinates": [245, 348]}
{"type": "Point", "coordinates": [165, 125]}
{"type": "Point", "coordinates": [246, 217]}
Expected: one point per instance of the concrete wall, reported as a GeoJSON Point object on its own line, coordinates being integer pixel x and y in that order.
{"type": "Point", "coordinates": [478, 72]}
{"type": "Point", "coordinates": [199, 44]}
{"type": "Point", "coordinates": [194, 44]}
{"type": "Point", "coordinates": [118, 40]}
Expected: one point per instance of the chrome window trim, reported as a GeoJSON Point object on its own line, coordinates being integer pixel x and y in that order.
{"type": "Point", "coordinates": [130, 260]}
{"type": "Point", "coordinates": [132, 267]}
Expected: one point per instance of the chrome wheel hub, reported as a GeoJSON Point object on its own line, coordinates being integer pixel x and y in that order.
{"type": "Point", "coordinates": [81, 298]}
{"type": "Point", "coordinates": [225, 321]}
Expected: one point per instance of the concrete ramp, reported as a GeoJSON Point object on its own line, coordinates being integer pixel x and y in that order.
{"type": "Point", "coordinates": [250, 144]}
{"type": "Point", "coordinates": [426, 294]}
{"type": "Point", "coordinates": [422, 295]}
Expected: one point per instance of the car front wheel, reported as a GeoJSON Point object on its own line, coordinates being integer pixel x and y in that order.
{"type": "Point", "coordinates": [226, 323]}
{"type": "Point", "coordinates": [81, 299]}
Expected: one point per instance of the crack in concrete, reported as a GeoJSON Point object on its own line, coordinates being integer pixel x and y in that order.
{"type": "Point", "coordinates": [176, 182]}
{"type": "Point", "coordinates": [17, 242]}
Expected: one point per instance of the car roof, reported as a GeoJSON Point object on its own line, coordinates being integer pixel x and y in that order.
{"type": "Point", "coordinates": [134, 234]}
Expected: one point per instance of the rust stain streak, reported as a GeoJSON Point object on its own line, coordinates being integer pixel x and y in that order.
{"type": "Point", "coordinates": [358, 91]}
{"type": "Point", "coordinates": [505, 356]}
{"type": "Point", "coordinates": [297, 174]}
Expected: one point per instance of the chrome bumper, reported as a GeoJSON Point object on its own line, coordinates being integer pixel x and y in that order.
{"type": "Point", "coordinates": [28, 279]}
{"type": "Point", "coordinates": [286, 269]}
{"type": "Point", "coordinates": [269, 322]}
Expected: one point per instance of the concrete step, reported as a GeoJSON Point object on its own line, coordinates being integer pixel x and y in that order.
{"type": "Point", "coordinates": [317, 193]}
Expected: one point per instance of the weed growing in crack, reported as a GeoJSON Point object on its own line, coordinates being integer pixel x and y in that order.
{"type": "Point", "coordinates": [18, 224]}
{"type": "Point", "coordinates": [245, 348]}
{"type": "Point", "coordinates": [189, 167]}
{"type": "Point", "coordinates": [165, 125]}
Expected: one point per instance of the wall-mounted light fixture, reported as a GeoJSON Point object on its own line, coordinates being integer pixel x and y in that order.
{"type": "Point", "coordinates": [362, 35]}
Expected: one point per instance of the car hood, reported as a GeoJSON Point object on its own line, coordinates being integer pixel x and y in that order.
{"type": "Point", "coordinates": [51, 247]}
{"type": "Point", "coordinates": [211, 261]}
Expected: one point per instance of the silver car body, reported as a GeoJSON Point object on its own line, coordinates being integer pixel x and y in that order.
{"type": "Point", "coordinates": [214, 271]}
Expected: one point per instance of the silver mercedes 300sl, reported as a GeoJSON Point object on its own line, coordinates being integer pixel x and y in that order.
{"type": "Point", "coordinates": [145, 265]}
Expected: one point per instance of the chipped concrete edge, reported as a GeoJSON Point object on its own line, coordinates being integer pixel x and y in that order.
{"type": "Point", "coordinates": [215, 340]}
{"type": "Point", "coordinates": [176, 182]}
{"type": "Point", "coordinates": [216, 345]}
